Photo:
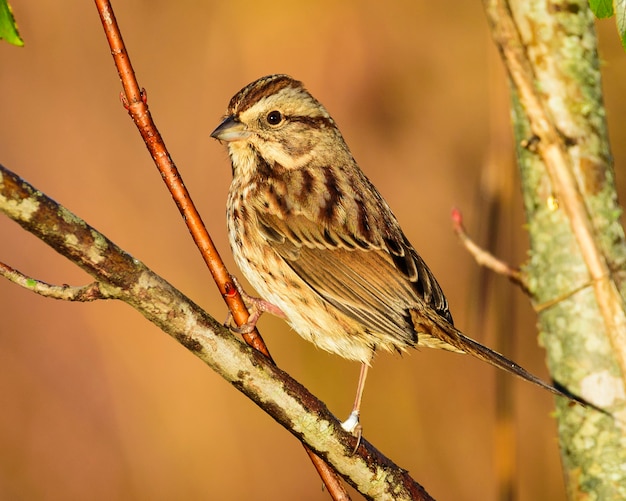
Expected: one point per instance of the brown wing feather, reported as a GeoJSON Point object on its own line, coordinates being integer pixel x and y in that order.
{"type": "Point", "coordinates": [368, 272]}
{"type": "Point", "coordinates": [387, 301]}
{"type": "Point", "coordinates": [343, 277]}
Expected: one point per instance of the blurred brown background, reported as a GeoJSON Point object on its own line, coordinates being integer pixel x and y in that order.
{"type": "Point", "coordinates": [97, 403]}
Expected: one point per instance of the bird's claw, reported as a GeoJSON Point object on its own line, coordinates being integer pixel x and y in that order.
{"type": "Point", "coordinates": [352, 422]}
{"type": "Point", "coordinates": [246, 328]}
{"type": "Point", "coordinates": [352, 425]}
{"type": "Point", "coordinates": [256, 305]}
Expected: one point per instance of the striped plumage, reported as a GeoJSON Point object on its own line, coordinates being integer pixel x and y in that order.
{"type": "Point", "coordinates": [314, 237]}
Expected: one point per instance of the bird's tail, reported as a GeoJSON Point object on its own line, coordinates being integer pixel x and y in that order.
{"type": "Point", "coordinates": [438, 333]}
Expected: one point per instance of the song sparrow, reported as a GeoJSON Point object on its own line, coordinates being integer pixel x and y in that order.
{"type": "Point", "coordinates": [319, 243]}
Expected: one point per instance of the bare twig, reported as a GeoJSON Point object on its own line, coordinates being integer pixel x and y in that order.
{"type": "Point", "coordinates": [85, 293]}
{"type": "Point", "coordinates": [483, 257]}
{"type": "Point", "coordinates": [283, 398]}
{"type": "Point", "coordinates": [539, 307]}
{"type": "Point", "coordinates": [135, 102]}
{"type": "Point", "coordinates": [551, 147]}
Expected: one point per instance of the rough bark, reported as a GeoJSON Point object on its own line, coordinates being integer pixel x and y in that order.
{"type": "Point", "coordinates": [560, 44]}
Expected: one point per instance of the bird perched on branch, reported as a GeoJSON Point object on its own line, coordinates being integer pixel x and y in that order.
{"type": "Point", "coordinates": [319, 243]}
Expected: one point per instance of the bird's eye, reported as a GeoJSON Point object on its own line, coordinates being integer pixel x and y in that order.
{"type": "Point", "coordinates": [274, 117]}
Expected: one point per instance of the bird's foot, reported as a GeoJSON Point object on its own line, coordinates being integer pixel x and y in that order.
{"type": "Point", "coordinates": [353, 425]}
{"type": "Point", "coordinates": [256, 305]}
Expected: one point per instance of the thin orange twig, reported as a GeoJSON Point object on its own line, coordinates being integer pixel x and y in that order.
{"type": "Point", "coordinates": [135, 102]}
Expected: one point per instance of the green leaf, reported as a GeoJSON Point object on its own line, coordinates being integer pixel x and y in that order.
{"type": "Point", "coordinates": [601, 8]}
{"type": "Point", "coordinates": [620, 17]}
{"type": "Point", "coordinates": [8, 27]}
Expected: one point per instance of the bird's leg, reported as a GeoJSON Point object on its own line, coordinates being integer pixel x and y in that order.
{"type": "Point", "coordinates": [257, 307]}
{"type": "Point", "coordinates": [352, 424]}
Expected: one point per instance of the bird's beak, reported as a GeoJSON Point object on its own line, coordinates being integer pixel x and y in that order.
{"type": "Point", "coordinates": [230, 129]}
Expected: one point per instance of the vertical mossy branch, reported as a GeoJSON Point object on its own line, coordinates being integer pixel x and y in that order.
{"type": "Point", "coordinates": [578, 248]}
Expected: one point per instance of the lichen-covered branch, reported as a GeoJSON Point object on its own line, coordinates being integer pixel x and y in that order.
{"type": "Point", "coordinates": [121, 276]}
{"type": "Point", "coordinates": [89, 292]}
{"type": "Point", "coordinates": [577, 241]}
{"type": "Point", "coordinates": [563, 140]}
